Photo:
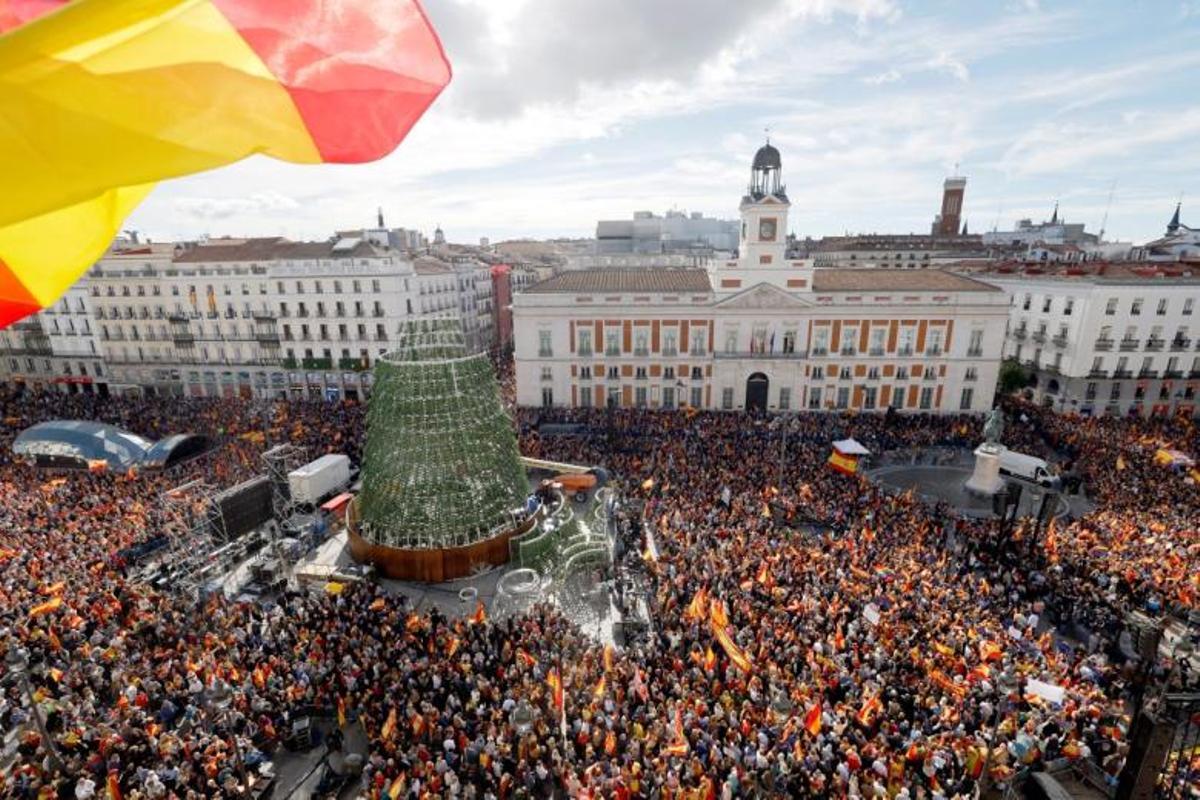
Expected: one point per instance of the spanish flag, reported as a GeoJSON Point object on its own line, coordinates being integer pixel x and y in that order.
{"type": "Point", "coordinates": [389, 725]}
{"type": "Point", "coordinates": [48, 607]}
{"type": "Point", "coordinates": [526, 659]}
{"type": "Point", "coordinates": [556, 689]}
{"type": "Point", "coordinates": [113, 784]}
{"type": "Point", "coordinates": [812, 720]}
{"type": "Point", "coordinates": [598, 692]}
{"type": "Point", "coordinates": [847, 465]}
{"type": "Point", "coordinates": [696, 609]}
{"type": "Point", "coordinates": [710, 659]}
{"type": "Point", "coordinates": [735, 653]}
{"type": "Point", "coordinates": [608, 658]}
{"type": "Point", "coordinates": [377, 604]}
{"type": "Point", "coordinates": [341, 711]}
{"type": "Point", "coordinates": [480, 615]}
{"type": "Point", "coordinates": [397, 788]}
{"type": "Point", "coordinates": [104, 98]}
{"type": "Point", "coordinates": [679, 742]}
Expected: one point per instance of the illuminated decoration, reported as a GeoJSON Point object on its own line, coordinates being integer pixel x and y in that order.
{"type": "Point", "coordinates": [104, 98]}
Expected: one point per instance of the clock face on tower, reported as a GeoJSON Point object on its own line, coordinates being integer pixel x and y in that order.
{"type": "Point", "coordinates": [766, 229]}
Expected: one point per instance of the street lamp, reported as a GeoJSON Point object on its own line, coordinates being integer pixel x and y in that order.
{"type": "Point", "coordinates": [220, 698]}
{"type": "Point", "coordinates": [17, 662]}
{"type": "Point", "coordinates": [784, 422]}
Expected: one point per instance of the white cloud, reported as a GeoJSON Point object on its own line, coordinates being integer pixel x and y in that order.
{"type": "Point", "coordinates": [948, 63]}
{"type": "Point", "coordinates": [207, 208]}
{"type": "Point", "coordinates": [890, 76]}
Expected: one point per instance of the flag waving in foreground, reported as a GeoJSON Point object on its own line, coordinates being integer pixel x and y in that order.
{"type": "Point", "coordinates": [103, 98]}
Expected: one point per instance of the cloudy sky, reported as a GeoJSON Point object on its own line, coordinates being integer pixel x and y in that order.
{"type": "Point", "coordinates": [562, 112]}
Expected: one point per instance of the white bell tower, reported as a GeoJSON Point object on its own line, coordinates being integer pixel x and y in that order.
{"type": "Point", "coordinates": [763, 241]}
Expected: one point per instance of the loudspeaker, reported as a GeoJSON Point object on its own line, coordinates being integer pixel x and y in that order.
{"type": "Point", "coordinates": [1149, 742]}
{"type": "Point", "coordinates": [243, 508]}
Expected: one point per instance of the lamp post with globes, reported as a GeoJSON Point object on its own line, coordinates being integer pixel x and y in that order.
{"type": "Point", "coordinates": [17, 663]}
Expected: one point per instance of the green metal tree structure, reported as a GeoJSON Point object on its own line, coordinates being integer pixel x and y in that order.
{"type": "Point", "coordinates": [441, 466]}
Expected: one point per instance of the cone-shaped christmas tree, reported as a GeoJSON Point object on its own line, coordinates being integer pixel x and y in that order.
{"type": "Point", "coordinates": [441, 466]}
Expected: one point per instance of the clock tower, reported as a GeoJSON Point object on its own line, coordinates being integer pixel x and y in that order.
{"type": "Point", "coordinates": [764, 208]}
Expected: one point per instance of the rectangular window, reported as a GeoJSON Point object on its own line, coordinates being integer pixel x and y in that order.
{"type": "Point", "coordinates": [870, 396]}
{"type": "Point", "coordinates": [789, 341]}
{"type": "Point", "coordinates": [639, 396]}
{"type": "Point", "coordinates": [1114, 393]}
{"type": "Point", "coordinates": [968, 397]}
{"type": "Point", "coordinates": [785, 398]}
{"type": "Point", "coordinates": [668, 395]}
{"type": "Point", "coordinates": [849, 341]}
{"type": "Point", "coordinates": [697, 397]}
{"type": "Point", "coordinates": [1188, 302]}
{"type": "Point", "coordinates": [669, 373]}
{"type": "Point", "coordinates": [1069, 306]}
{"type": "Point", "coordinates": [545, 348]}
{"type": "Point", "coordinates": [731, 339]}
{"type": "Point", "coordinates": [1046, 305]}
{"type": "Point", "coordinates": [585, 373]}
{"type": "Point", "coordinates": [1110, 307]}
{"type": "Point", "coordinates": [585, 342]}
{"type": "Point", "coordinates": [612, 342]}
{"type": "Point", "coordinates": [547, 396]}
{"type": "Point", "coordinates": [878, 337]}
{"type": "Point", "coordinates": [843, 397]}
{"type": "Point", "coordinates": [926, 398]}
{"type": "Point", "coordinates": [727, 398]}
{"type": "Point", "coordinates": [698, 343]}
{"type": "Point", "coordinates": [818, 373]}
{"type": "Point", "coordinates": [934, 346]}
{"type": "Point", "coordinates": [814, 397]}
{"type": "Point", "coordinates": [585, 397]}
{"type": "Point", "coordinates": [1162, 307]}
{"type": "Point", "coordinates": [908, 338]}
{"type": "Point", "coordinates": [670, 344]}
{"type": "Point", "coordinates": [547, 373]}
{"type": "Point", "coordinates": [897, 397]}
{"type": "Point", "coordinates": [820, 341]}
{"type": "Point", "coordinates": [641, 344]}
{"type": "Point", "coordinates": [975, 346]}
{"type": "Point", "coordinates": [1135, 308]}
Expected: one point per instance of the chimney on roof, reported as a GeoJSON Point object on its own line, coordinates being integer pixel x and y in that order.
{"type": "Point", "coordinates": [379, 217]}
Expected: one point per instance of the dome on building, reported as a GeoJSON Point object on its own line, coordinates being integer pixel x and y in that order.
{"type": "Point", "coordinates": [767, 157]}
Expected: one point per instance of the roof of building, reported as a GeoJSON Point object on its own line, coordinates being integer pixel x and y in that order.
{"type": "Point", "coordinates": [767, 157]}
{"type": "Point", "coordinates": [1092, 271]}
{"type": "Point", "coordinates": [274, 248]}
{"type": "Point", "coordinates": [899, 280]}
{"type": "Point", "coordinates": [428, 265]}
{"type": "Point", "coordinates": [647, 279]}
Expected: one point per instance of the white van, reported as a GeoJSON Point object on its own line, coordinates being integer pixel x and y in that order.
{"type": "Point", "coordinates": [1028, 468]}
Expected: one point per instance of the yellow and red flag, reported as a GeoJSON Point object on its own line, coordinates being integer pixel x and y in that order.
{"type": "Point", "coordinates": [735, 653]}
{"type": "Point", "coordinates": [679, 742]}
{"type": "Point", "coordinates": [48, 607]}
{"type": "Point", "coordinates": [812, 720]}
{"type": "Point", "coordinates": [389, 725]}
{"type": "Point", "coordinates": [526, 659]}
{"type": "Point", "coordinates": [710, 659]}
{"type": "Point", "coordinates": [397, 788]}
{"type": "Point", "coordinates": [480, 615]}
{"type": "Point", "coordinates": [104, 98]}
{"type": "Point", "coordinates": [556, 689]}
{"type": "Point", "coordinates": [847, 465]}
{"type": "Point", "coordinates": [113, 785]}
{"type": "Point", "coordinates": [608, 658]}
{"type": "Point", "coordinates": [341, 712]}
{"type": "Point", "coordinates": [601, 686]}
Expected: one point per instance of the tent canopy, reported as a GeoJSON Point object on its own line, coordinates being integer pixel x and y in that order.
{"type": "Point", "coordinates": [850, 447]}
{"type": "Point", "coordinates": [80, 444]}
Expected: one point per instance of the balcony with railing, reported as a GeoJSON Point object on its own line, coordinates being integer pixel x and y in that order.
{"type": "Point", "coordinates": [1039, 336]}
{"type": "Point", "coordinates": [974, 352]}
{"type": "Point", "coordinates": [1129, 345]}
{"type": "Point", "coordinates": [929, 375]}
{"type": "Point", "coordinates": [1172, 373]}
{"type": "Point", "coordinates": [755, 354]}
{"type": "Point", "coordinates": [352, 364]}
{"type": "Point", "coordinates": [933, 351]}
{"type": "Point", "coordinates": [875, 352]}
{"type": "Point", "coordinates": [641, 352]}
{"type": "Point", "coordinates": [1060, 340]}
{"type": "Point", "coordinates": [1147, 373]}
{"type": "Point", "coordinates": [1153, 344]}
{"type": "Point", "coordinates": [1179, 345]}
{"type": "Point", "coordinates": [1097, 373]}
{"type": "Point", "coordinates": [1020, 333]}
{"type": "Point", "coordinates": [1102, 344]}
{"type": "Point", "coordinates": [904, 351]}
{"type": "Point", "coordinates": [584, 352]}
{"type": "Point", "coordinates": [1122, 374]}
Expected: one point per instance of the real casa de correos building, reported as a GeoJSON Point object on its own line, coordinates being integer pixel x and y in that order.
{"type": "Point", "coordinates": [762, 331]}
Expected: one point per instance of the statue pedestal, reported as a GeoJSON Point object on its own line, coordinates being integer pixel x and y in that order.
{"type": "Point", "coordinates": [986, 480]}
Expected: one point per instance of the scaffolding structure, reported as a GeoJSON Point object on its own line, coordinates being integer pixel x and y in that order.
{"type": "Point", "coordinates": [193, 547]}
{"type": "Point", "coordinates": [279, 461]}
{"type": "Point", "coordinates": [441, 466]}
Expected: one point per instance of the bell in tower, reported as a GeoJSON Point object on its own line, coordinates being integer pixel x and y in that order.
{"type": "Point", "coordinates": [766, 175]}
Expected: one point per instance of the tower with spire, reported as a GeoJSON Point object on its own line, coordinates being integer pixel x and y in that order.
{"type": "Point", "coordinates": [764, 211]}
{"type": "Point", "coordinates": [1174, 224]}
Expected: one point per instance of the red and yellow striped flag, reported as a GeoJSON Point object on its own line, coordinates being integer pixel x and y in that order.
{"type": "Point", "coordinates": [480, 615]}
{"type": "Point", "coordinates": [735, 653]}
{"type": "Point", "coordinates": [556, 689]}
{"type": "Point", "coordinates": [679, 742]}
{"type": "Point", "coordinates": [48, 607]}
{"type": "Point", "coordinates": [104, 98]}
{"type": "Point", "coordinates": [812, 719]}
{"type": "Point", "coordinates": [113, 784]}
{"type": "Point", "coordinates": [397, 788]}
{"type": "Point", "coordinates": [389, 725]}
{"type": "Point", "coordinates": [341, 712]}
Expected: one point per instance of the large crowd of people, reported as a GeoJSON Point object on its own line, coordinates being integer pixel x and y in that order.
{"type": "Point", "coordinates": [813, 635]}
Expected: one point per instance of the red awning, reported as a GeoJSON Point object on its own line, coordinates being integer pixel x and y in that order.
{"type": "Point", "coordinates": [334, 504]}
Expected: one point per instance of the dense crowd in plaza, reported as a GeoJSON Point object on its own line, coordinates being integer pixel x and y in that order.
{"type": "Point", "coordinates": [882, 641]}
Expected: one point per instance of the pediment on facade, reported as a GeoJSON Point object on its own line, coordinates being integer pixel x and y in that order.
{"type": "Point", "coordinates": [762, 296]}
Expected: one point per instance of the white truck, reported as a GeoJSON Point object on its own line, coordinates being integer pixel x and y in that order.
{"type": "Point", "coordinates": [1028, 468]}
{"type": "Point", "coordinates": [320, 479]}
